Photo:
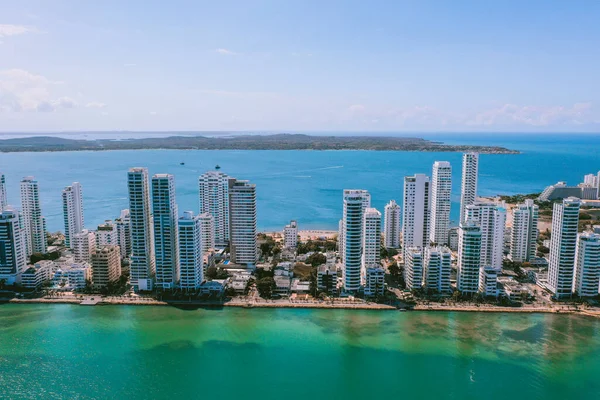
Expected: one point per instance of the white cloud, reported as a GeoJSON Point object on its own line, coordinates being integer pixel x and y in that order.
{"type": "Point", "coordinates": [226, 52]}
{"type": "Point", "coordinates": [22, 90]}
{"type": "Point", "coordinates": [7, 30]}
{"type": "Point", "coordinates": [542, 116]}
{"type": "Point", "coordinates": [95, 104]}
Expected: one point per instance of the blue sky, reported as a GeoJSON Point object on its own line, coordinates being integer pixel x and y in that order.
{"type": "Point", "coordinates": [407, 66]}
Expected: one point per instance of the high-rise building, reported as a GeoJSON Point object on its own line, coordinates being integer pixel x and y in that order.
{"type": "Point", "coordinates": [469, 257]}
{"type": "Point", "coordinates": [124, 233]}
{"type": "Point", "coordinates": [441, 190]}
{"type": "Point", "coordinates": [371, 254]}
{"type": "Point", "coordinates": [142, 266]}
{"type": "Point", "coordinates": [366, 203]}
{"type": "Point", "coordinates": [491, 218]}
{"type": "Point", "coordinates": [13, 259]}
{"type": "Point", "coordinates": [290, 235]}
{"type": "Point", "coordinates": [166, 237]}
{"type": "Point", "coordinates": [563, 243]}
{"type": "Point", "coordinates": [72, 211]}
{"type": "Point", "coordinates": [468, 191]}
{"type": "Point", "coordinates": [207, 234]}
{"type": "Point", "coordinates": [413, 268]}
{"type": "Point", "coordinates": [106, 234]}
{"type": "Point", "coordinates": [214, 199]}
{"type": "Point", "coordinates": [587, 265]}
{"type": "Point", "coordinates": [354, 206]}
{"type": "Point", "coordinates": [242, 222]}
{"type": "Point", "coordinates": [524, 232]}
{"type": "Point", "coordinates": [83, 245]}
{"type": "Point", "coordinates": [3, 201]}
{"type": "Point", "coordinates": [415, 222]}
{"type": "Point", "coordinates": [437, 269]}
{"type": "Point", "coordinates": [190, 251]}
{"type": "Point", "coordinates": [391, 230]}
{"type": "Point", "coordinates": [488, 281]}
{"type": "Point", "coordinates": [106, 266]}
{"type": "Point", "coordinates": [34, 223]}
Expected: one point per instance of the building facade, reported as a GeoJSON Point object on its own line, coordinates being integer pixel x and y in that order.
{"type": "Point", "coordinates": [214, 199]}
{"type": "Point", "coordinates": [587, 265]}
{"type": "Point", "coordinates": [391, 222]}
{"type": "Point", "coordinates": [491, 218]}
{"type": "Point", "coordinates": [83, 245]}
{"type": "Point", "coordinates": [242, 202]}
{"type": "Point", "coordinates": [437, 269]}
{"type": "Point", "coordinates": [106, 234]}
{"type": "Point", "coordinates": [106, 266]}
{"type": "Point", "coordinates": [191, 251]}
{"type": "Point", "coordinates": [524, 234]}
{"type": "Point", "coordinates": [72, 200]}
{"type": "Point", "coordinates": [371, 255]}
{"type": "Point", "coordinates": [33, 221]}
{"type": "Point", "coordinates": [563, 243]}
{"type": "Point", "coordinates": [290, 235]}
{"type": "Point", "coordinates": [469, 257]}
{"type": "Point", "coordinates": [123, 224]}
{"type": "Point", "coordinates": [354, 206]}
{"type": "Point", "coordinates": [3, 199]}
{"type": "Point", "coordinates": [166, 236]}
{"type": "Point", "coordinates": [468, 190]}
{"type": "Point", "coordinates": [441, 191]}
{"type": "Point", "coordinates": [13, 257]}
{"type": "Point", "coordinates": [416, 213]}
{"type": "Point", "coordinates": [413, 268]}
{"type": "Point", "coordinates": [207, 223]}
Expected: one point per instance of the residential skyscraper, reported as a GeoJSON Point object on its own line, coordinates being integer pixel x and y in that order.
{"type": "Point", "coordinates": [124, 233]}
{"type": "Point", "coordinates": [563, 242]}
{"type": "Point", "coordinates": [142, 266]}
{"type": "Point", "coordinates": [413, 268]}
{"type": "Point", "coordinates": [242, 222]}
{"type": "Point", "coordinates": [72, 211]}
{"type": "Point", "coordinates": [524, 234]}
{"type": "Point", "coordinates": [366, 203]}
{"type": "Point", "coordinates": [191, 251]}
{"type": "Point", "coordinates": [3, 201]}
{"type": "Point", "coordinates": [106, 266]}
{"type": "Point", "coordinates": [416, 213]}
{"type": "Point", "coordinates": [13, 258]}
{"type": "Point", "coordinates": [166, 237]}
{"type": "Point", "coordinates": [469, 257]}
{"type": "Point", "coordinates": [207, 232]}
{"type": "Point", "coordinates": [441, 190]}
{"type": "Point", "coordinates": [391, 222]}
{"type": "Point", "coordinates": [83, 245]}
{"type": "Point", "coordinates": [34, 223]}
{"type": "Point", "coordinates": [371, 254]}
{"type": "Point", "coordinates": [354, 206]}
{"type": "Point", "coordinates": [468, 191]}
{"type": "Point", "coordinates": [107, 234]}
{"type": "Point", "coordinates": [491, 218]}
{"type": "Point", "coordinates": [587, 265]}
{"type": "Point", "coordinates": [214, 199]}
{"type": "Point", "coordinates": [437, 269]}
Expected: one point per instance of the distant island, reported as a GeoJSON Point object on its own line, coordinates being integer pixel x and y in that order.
{"type": "Point", "coordinates": [281, 141]}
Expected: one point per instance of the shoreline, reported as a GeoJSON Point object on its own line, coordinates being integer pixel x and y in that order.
{"type": "Point", "coordinates": [312, 305]}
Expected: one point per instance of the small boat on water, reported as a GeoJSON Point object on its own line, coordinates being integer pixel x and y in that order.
{"type": "Point", "coordinates": [181, 163]}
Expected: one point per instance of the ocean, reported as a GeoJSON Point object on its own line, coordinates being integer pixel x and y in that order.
{"type": "Point", "coordinates": [138, 352]}
{"type": "Point", "coordinates": [302, 185]}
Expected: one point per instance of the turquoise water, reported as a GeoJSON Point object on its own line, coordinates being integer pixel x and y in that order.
{"type": "Point", "coordinates": [65, 351]}
{"type": "Point", "coordinates": [302, 185]}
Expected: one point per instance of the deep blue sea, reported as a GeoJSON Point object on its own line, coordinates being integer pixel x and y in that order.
{"type": "Point", "coordinates": [302, 185]}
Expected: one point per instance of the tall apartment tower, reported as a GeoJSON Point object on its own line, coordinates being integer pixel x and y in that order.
{"type": "Point", "coordinates": [214, 199]}
{"type": "Point", "coordinates": [207, 223]}
{"type": "Point", "coordinates": [371, 254]}
{"type": "Point", "coordinates": [415, 222]}
{"type": "Point", "coordinates": [468, 190]}
{"type": "Point", "coordinates": [34, 223]}
{"type": "Point", "coordinates": [352, 228]}
{"type": "Point", "coordinates": [142, 266]}
{"type": "Point", "coordinates": [3, 201]}
{"type": "Point", "coordinates": [106, 266]}
{"type": "Point", "coordinates": [469, 257]}
{"type": "Point", "coordinates": [563, 242]}
{"type": "Point", "coordinates": [441, 190]}
{"type": "Point", "coordinates": [413, 268]}
{"type": "Point", "coordinates": [83, 245]}
{"type": "Point", "coordinates": [107, 234]}
{"type": "Point", "coordinates": [587, 265]}
{"type": "Point", "coordinates": [13, 258]}
{"type": "Point", "coordinates": [242, 222]}
{"type": "Point", "coordinates": [437, 269]}
{"type": "Point", "coordinates": [166, 237]}
{"type": "Point", "coordinates": [191, 251]}
{"type": "Point", "coordinates": [72, 211]}
{"type": "Point", "coordinates": [290, 235]}
{"type": "Point", "coordinates": [366, 196]}
{"type": "Point", "coordinates": [124, 233]}
{"type": "Point", "coordinates": [391, 222]}
{"type": "Point", "coordinates": [491, 218]}
{"type": "Point", "coordinates": [523, 240]}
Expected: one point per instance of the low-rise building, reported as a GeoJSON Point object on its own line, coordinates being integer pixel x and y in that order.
{"type": "Point", "coordinates": [375, 282]}
{"type": "Point", "coordinates": [216, 287]}
{"type": "Point", "coordinates": [300, 287]}
{"type": "Point", "coordinates": [488, 281]}
{"type": "Point", "coordinates": [290, 235]}
{"type": "Point", "coordinates": [35, 275]}
{"type": "Point", "coordinates": [327, 277]}
{"type": "Point", "coordinates": [283, 285]}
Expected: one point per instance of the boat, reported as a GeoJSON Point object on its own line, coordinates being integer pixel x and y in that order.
{"type": "Point", "coordinates": [181, 163]}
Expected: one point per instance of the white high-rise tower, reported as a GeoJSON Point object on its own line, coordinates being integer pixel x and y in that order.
{"type": "Point", "coordinates": [587, 265]}
{"type": "Point", "coordinates": [468, 191]}
{"type": "Point", "coordinates": [354, 206]}
{"type": "Point", "coordinates": [491, 218]}
{"type": "Point", "coordinates": [142, 266]}
{"type": "Point", "coordinates": [72, 211]}
{"type": "Point", "coordinates": [523, 240]}
{"type": "Point", "coordinates": [366, 196]}
{"type": "Point", "coordinates": [166, 237]}
{"type": "Point", "coordinates": [13, 259]}
{"type": "Point", "coordinates": [34, 223]}
{"type": "Point", "coordinates": [469, 256]}
{"type": "Point", "coordinates": [441, 190]}
{"type": "Point", "coordinates": [391, 224]}
{"type": "Point", "coordinates": [371, 239]}
{"type": "Point", "coordinates": [214, 199]}
{"type": "Point", "coordinates": [415, 222]}
{"type": "Point", "coordinates": [3, 201]}
{"type": "Point", "coordinates": [242, 222]}
{"type": "Point", "coordinates": [565, 221]}
{"type": "Point", "coordinates": [190, 251]}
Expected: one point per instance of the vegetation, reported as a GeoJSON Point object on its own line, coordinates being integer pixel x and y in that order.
{"type": "Point", "coordinates": [265, 287]}
{"type": "Point", "coordinates": [316, 245]}
{"type": "Point", "coordinates": [35, 257]}
{"type": "Point", "coordinates": [303, 271]}
{"type": "Point", "coordinates": [216, 273]}
{"type": "Point", "coordinates": [316, 259]}
{"type": "Point", "coordinates": [388, 252]}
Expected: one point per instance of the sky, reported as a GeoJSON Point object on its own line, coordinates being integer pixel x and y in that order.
{"type": "Point", "coordinates": [300, 65]}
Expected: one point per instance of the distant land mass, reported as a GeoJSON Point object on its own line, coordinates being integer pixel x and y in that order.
{"type": "Point", "coordinates": [281, 141]}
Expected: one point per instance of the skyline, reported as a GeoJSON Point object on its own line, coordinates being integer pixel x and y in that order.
{"type": "Point", "coordinates": [299, 66]}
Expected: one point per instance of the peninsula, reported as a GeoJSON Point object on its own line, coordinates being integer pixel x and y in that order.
{"type": "Point", "coordinates": [281, 141]}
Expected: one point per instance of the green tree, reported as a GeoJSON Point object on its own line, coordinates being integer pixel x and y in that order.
{"type": "Point", "coordinates": [211, 273]}
{"type": "Point", "coordinates": [265, 287]}
{"type": "Point", "coordinates": [316, 259]}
